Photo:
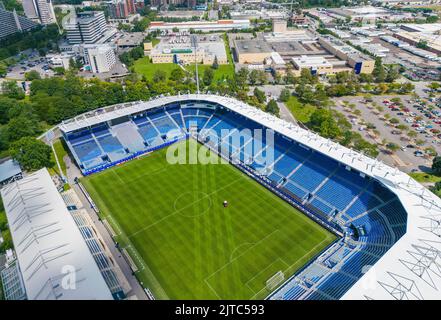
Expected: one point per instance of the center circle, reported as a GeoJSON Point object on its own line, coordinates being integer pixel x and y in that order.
{"type": "Point", "coordinates": [193, 203]}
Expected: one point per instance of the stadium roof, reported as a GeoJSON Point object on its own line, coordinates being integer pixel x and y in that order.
{"type": "Point", "coordinates": [410, 269]}
{"type": "Point", "coordinates": [54, 260]}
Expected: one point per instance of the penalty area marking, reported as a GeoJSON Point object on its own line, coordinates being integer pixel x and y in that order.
{"type": "Point", "coordinates": [212, 289]}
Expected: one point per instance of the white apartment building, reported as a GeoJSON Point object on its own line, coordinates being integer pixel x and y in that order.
{"type": "Point", "coordinates": [40, 11]}
{"type": "Point", "coordinates": [87, 27]}
{"type": "Point", "coordinates": [100, 58]}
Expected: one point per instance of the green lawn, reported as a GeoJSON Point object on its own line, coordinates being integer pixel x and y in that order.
{"type": "Point", "coordinates": [61, 151]}
{"type": "Point", "coordinates": [300, 111]}
{"type": "Point", "coordinates": [221, 73]}
{"type": "Point", "coordinates": [424, 177]}
{"type": "Point", "coordinates": [186, 244]}
{"type": "Point", "coordinates": [147, 69]}
{"type": "Point", "coordinates": [144, 67]}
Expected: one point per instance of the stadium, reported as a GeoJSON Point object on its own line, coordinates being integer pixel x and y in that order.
{"type": "Point", "coordinates": [284, 215]}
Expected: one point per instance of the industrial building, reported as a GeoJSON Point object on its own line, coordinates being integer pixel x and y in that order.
{"type": "Point", "coordinates": [432, 41]}
{"type": "Point", "coordinates": [368, 14]}
{"type": "Point", "coordinates": [355, 59]}
{"type": "Point", "coordinates": [252, 51]}
{"type": "Point", "coordinates": [11, 22]}
{"type": "Point", "coordinates": [260, 14]}
{"type": "Point", "coordinates": [318, 65]}
{"type": "Point", "coordinates": [204, 26]}
{"type": "Point", "coordinates": [302, 49]}
{"type": "Point", "coordinates": [179, 49]}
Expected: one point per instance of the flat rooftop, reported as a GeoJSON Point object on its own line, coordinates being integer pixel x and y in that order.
{"type": "Point", "coordinates": [311, 61]}
{"type": "Point", "coordinates": [252, 46]}
{"type": "Point", "coordinates": [212, 44]}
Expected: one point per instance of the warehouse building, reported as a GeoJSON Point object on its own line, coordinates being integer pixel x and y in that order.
{"type": "Point", "coordinates": [317, 65]}
{"type": "Point", "coordinates": [355, 59]}
{"type": "Point", "coordinates": [252, 51]}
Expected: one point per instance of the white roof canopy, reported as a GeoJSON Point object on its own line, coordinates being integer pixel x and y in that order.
{"type": "Point", "coordinates": [54, 260]}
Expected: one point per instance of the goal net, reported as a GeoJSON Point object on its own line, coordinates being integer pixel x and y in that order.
{"type": "Point", "coordinates": [275, 280]}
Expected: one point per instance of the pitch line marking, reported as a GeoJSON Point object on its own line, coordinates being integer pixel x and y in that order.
{"type": "Point", "coordinates": [137, 256]}
{"type": "Point", "coordinates": [200, 214]}
{"type": "Point", "coordinates": [118, 229]}
{"type": "Point", "coordinates": [255, 244]}
{"type": "Point", "coordinates": [257, 274]}
{"type": "Point", "coordinates": [212, 289]}
{"type": "Point", "coordinates": [183, 208]}
{"type": "Point", "coordinates": [240, 245]}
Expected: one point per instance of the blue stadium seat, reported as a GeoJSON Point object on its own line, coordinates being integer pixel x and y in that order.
{"type": "Point", "coordinates": [338, 192]}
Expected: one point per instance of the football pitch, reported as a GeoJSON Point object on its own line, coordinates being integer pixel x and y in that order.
{"type": "Point", "coordinates": [186, 244]}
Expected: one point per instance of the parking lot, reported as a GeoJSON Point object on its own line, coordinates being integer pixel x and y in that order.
{"type": "Point", "coordinates": [384, 122]}
{"type": "Point", "coordinates": [32, 61]}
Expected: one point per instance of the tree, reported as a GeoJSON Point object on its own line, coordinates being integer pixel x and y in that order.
{"type": "Point", "coordinates": [378, 72]}
{"type": "Point", "coordinates": [177, 75]}
{"type": "Point", "coordinates": [208, 76]}
{"type": "Point", "coordinates": [141, 24]}
{"type": "Point", "coordinates": [285, 94]}
{"type": "Point", "coordinates": [215, 64]}
{"type": "Point", "coordinates": [422, 44]}
{"type": "Point", "coordinates": [22, 126]}
{"type": "Point", "coordinates": [159, 76]}
{"type": "Point", "coordinates": [323, 122]}
{"type": "Point", "coordinates": [242, 76]}
{"type": "Point", "coordinates": [272, 107]}
{"type": "Point", "coordinates": [436, 165]}
{"type": "Point", "coordinates": [32, 154]}
{"type": "Point", "coordinates": [12, 90]}
{"type": "Point", "coordinates": [3, 70]}
{"type": "Point", "coordinates": [253, 77]}
{"type": "Point", "coordinates": [392, 147]}
{"type": "Point", "coordinates": [392, 74]}
{"type": "Point", "coordinates": [260, 95]}
{"type": "Point", "coordinates": [32, 75]}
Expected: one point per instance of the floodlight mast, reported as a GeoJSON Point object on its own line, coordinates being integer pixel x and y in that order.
{"type": "Point", "coordinates": [194, 42]}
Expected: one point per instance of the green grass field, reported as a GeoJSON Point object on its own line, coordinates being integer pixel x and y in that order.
{"type": "Point", "coordinates": [144, 67]}
{"type": "Point", "coordinates": [186, 244]}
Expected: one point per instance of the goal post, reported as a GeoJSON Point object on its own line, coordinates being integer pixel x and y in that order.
{"type": "Point", "coordinates": [275, 280]}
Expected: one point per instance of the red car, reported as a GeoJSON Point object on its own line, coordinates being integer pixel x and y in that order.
{"type": "Point", "coordinates": [386, 101]}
